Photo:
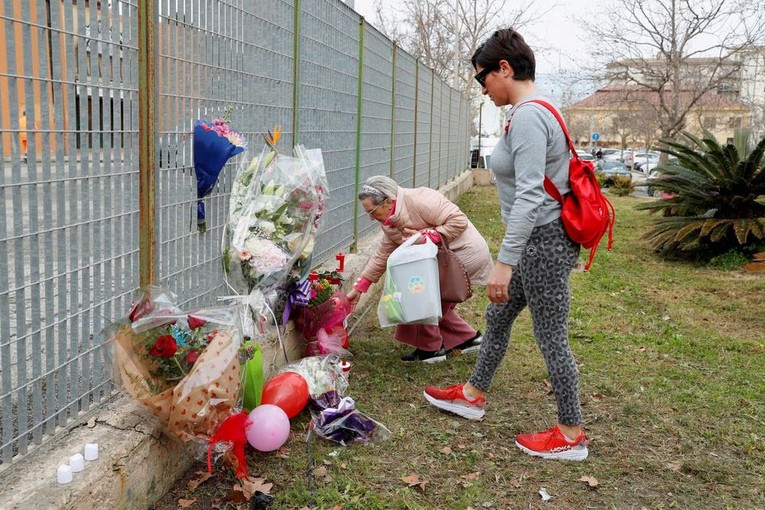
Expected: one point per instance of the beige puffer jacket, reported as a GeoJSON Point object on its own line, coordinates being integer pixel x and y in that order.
{"type": "Point", "coordinates": [423, 208]}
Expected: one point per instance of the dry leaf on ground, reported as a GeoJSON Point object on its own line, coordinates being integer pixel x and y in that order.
{"type": "Point", "coordinates": [186, 503]}
{"type": "Point", "coordinates": [251, 484]}
{"type": "Point", "coordinates": [589, 480]}
{"type": "Point", "coordinates": [201, 476]}
{"type": "Point", "coordinates": [236, 496]}
{"type": "Point", "coordinates": [414, 481]}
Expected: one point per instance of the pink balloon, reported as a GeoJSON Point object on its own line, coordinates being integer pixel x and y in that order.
{"type": "Point", "coordinates": [268, 427]}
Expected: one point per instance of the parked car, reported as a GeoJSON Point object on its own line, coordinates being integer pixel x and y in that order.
{"type": "Point", "coordinates": [611, 169]}
{"type": "Point", "coordinates": [651, 191]}
{"type": "Point", "coordinates": [584, 155]}
{"type": "Point", "coordinates": [612, 155]}
{"type": "Point", "coordinates": [645, 161]}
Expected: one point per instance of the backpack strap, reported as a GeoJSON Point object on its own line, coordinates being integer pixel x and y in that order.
{"type": "Point", "coordinates": [550, 187]}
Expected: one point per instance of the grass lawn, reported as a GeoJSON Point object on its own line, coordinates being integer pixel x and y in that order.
{"type": "Point", "coordinates": [672, 364]}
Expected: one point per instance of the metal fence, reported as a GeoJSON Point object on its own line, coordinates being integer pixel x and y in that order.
{"type": "Point", "coordinates": [96, 175]}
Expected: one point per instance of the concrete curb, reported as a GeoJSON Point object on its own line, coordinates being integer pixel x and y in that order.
{"type": "Point", "coordinates": [137, 462]}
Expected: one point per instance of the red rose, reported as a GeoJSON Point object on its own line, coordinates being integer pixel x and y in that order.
{"type": "Point", "coordinates": [195, 322]}
{"type": "Point", "coordinates": [192, 356]}
{"type": "Point", "coordinates": [165, 347]}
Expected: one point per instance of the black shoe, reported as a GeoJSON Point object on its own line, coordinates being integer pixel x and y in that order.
{"type": "Point", "coordinates": [470, 345]}
{"type": "Point", "coordinates": [425, 356]}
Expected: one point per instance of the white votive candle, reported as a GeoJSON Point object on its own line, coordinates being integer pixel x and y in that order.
{"type": "Point", "coordinates": [76, 462]}
{"type": "Point", "coordinates": [64, 474]}
{"type": "Point", "coordinates": [91, 451]}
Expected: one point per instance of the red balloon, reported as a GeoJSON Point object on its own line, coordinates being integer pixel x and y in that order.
{"type": "Point", "coordinates": [288, 390]}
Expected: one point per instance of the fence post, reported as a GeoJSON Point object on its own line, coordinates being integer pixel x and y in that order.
{"type": "Point", "coordinates": [430, 131]}
{"type": "Point", "coordinates": [147, 137]}
{"type": "Point", "coordinates": [393, 112]}
{"type": "Point", "coordinates": [295, 71]}
{"type": "Point", "coordinates": [359, 92]}
{"type": "Point", "coordinates": [449, 137]}
{"type": "Point", "coordinates": [416, 108]}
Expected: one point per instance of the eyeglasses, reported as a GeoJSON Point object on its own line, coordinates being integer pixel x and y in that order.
{"type": "Point", "coordinates": [370, 213]}
{"type": "Point", "coordinates": [481, 77]}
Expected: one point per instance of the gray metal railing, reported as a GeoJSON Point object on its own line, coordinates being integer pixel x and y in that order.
{"type": "Point", "coordinates": [74, 237]}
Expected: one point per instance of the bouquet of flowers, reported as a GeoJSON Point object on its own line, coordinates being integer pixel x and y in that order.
{"type": "Point", "coordinates": [183, 367]}
{"type": "Point", "coordinates": [323, 285]}
{"type": "Point", "coordinates": [214, 145]}
{"type": "Point", "coordinates": [323, 317]}
{"type": "Point", "coordinates": [276, 204]}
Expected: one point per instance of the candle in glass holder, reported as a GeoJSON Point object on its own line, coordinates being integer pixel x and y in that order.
{"type": "Point", "coordinates": [76, 462]}
{"type": "Point", "coordinates": [91, 451]}
{"type": "Point", "coordinates": [64, 474]}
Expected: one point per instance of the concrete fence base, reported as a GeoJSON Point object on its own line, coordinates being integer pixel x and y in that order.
{"type": "Point", "coordinates": [137, 462]}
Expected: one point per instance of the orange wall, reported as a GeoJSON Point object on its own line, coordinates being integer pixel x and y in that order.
{"type": "Point", "coordinates": [42, 88]}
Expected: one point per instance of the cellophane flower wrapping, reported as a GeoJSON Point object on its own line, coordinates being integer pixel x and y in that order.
{"type": "Point", "coordinates": [276, 204]}
{"type": "Point", "coordinates": [334, 415]}
{"type": "Point", "coordinates": [321, 324]}
{"type": "Point", "coordinates": [183, 367]}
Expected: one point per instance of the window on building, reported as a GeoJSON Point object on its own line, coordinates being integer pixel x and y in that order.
{"type": "Point", "coordinates": [710, 122]}
{"type": "Point", "coordinates": [734, 123]}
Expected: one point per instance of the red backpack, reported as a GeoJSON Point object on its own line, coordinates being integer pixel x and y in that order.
{"type": "Point", "coordinates": [586, 213]}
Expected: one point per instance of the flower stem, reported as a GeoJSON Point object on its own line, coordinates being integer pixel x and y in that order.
{"type": "Point", "coordinates": [175, 358]}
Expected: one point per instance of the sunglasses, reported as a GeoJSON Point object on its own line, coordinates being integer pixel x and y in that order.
{"type": "Point", "coordinates": [481, 77]}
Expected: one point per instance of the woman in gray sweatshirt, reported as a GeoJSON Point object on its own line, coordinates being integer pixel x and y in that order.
{"type": "Point", "coordinates": [536, 257]}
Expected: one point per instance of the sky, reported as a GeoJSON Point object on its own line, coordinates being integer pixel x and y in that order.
{"type": "Point", "coordinates": [559, 41]}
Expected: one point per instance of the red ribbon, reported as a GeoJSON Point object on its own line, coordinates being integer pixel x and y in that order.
{"type": "Point", "coordinates": [232, 430]}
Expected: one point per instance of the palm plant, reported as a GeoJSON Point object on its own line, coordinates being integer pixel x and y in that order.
{"type": "Point", "coordinates": [714, 197]}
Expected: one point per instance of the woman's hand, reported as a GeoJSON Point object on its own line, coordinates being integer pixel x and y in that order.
{"type": "Point", "coordinates": [353, 296]}
{"type": "Point", "coordinates": [499, 282]}
{"type": "Point", "coordinates": [408, 232]}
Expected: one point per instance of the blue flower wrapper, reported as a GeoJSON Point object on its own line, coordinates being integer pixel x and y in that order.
{"type": "Point", "coordinates": [213, 147]}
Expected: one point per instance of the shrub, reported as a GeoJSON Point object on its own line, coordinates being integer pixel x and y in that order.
{"type": "Point", "coordinates": [622, 185]}
{"type": "Point", "coordinates": [733, 259]}
{"type": "Point", "coordinates": [715, 197]}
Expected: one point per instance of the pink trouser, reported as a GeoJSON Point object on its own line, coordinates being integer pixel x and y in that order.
{"type": "Point", "coordinates": [451, 331]}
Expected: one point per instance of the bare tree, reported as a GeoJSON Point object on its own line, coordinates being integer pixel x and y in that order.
{"type": "Point", "coordinates": [428, 28]}
{"type": "Point", "coordinates": [646, 124]}
{"type": "Point", "coordinates": [621, 123]}
{"type": "Point", "coordinates": [434, 30]}
{"type": "Point", "coordinates": [678, 50]}
{"type": "Point", "coordinates": [578, 128]}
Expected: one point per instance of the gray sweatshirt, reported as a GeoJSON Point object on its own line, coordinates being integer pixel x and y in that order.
{"type": "Point", "coordinates": [533, 147]}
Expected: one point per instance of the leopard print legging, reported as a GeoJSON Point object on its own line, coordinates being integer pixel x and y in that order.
{"type": "Point", "coordinates": [541, 281]}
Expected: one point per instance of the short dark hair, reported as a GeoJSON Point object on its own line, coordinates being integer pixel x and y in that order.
{"type": "Point", "coordinates": [507, 44]}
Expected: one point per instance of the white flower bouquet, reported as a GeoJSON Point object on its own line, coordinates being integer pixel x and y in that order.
{"type": "Point", "coordinates": [276, 204]}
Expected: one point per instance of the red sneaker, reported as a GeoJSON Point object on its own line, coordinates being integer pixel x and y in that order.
{"type": "Point", "coordinates": [452, 399]}
{"type": "Point", "coordinates": [552, 444]}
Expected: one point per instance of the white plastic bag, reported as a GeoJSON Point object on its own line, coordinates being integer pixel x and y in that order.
{"type": "Point", "coordinates": [411, 294]}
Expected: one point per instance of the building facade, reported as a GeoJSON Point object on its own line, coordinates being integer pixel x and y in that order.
{"type": "Point", "coordinates": [717, 95]}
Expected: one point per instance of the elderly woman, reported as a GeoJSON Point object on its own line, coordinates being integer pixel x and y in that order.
{"type": "Point", "coordinates": [403, 212]}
